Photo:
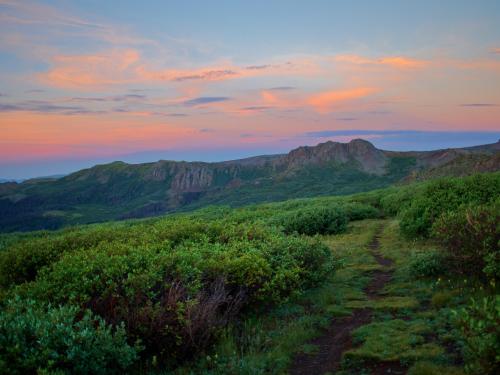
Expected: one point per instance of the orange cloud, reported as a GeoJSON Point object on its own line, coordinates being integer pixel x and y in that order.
{"type": "Point", "coordinates": [127, 66]}
{"type": "Point", "coordinates": [399, 62]}
{"type": "Point", "coordinates": [50, 135]}
{"type": "Point", "coordinates": [325, 100]}
{"type": "Point", "coordinates": [92, 70]}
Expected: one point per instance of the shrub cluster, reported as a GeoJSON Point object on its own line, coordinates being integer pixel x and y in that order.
{"type": "Point", "coordinates": [328, 220]}
{"type": "Point", "coordinates": [428, 264]}
{"type": "Point", "coordinates": [480, 327]}
{"type": "Point", "coordinates": [360, 211]}
{"type": "Point", "coordinates": [471, 238]}
{"type": "Point", "coordinates": [441, 196]}
{"type": "Point", "coordinates": [47, 339]}
{"type": "Point", "coordinates": [176, 285]}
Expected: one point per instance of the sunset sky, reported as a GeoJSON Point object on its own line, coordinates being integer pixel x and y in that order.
{"type": "Point", "coordinates": [86, 82]}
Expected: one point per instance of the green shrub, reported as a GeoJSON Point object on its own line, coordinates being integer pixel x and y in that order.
{"type": "Point", "coordinates": [429, 368]}
{"type": "Point", "coordinates": [316, 221]}
{"type": "Point", "coordinates": [427, 264]}
{"type": "Point", "coordinates": [397, 200]}
{"type": "Point", "coordinates": [441, 196]}
{"type": "Point", "coordinates": [36, 339]}
{"type": "Point", "coordinates": [359, 211]}
{"type": "Point", "coordinates": [480, 327]}
{"type": "Point", "coordinates": [471, 237]}
{"type": "Point", "coordinates": [176, 297]}
{"type": "Point", "coordinates": [22, 261]}
{"type": "Point", "coordinates": [441, 298]}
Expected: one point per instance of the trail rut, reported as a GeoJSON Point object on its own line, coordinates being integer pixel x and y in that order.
{"type": "Point", "coordinates": [337, 338]}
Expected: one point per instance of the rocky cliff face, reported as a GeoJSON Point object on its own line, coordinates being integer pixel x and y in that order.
{"type": "Point", "coordinates": [368, 158]}
{"type": "Point", "coordinates": [192, 178]}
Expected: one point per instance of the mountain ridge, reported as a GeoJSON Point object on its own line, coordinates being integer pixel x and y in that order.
{"type": "Point", "coordinates": [119, 190]}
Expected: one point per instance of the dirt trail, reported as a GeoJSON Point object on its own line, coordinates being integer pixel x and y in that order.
{"type": "Point", "coordinates": [337, 338]}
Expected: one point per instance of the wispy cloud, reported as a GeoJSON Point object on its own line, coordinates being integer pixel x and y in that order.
{"type": "Point", "coordinates": [204, 100]}
{"type": "Point", "coordinates": [346, 118]}
{"type": "Point", "coordinates": [56, 22]}
{"type": "Point", "coordinates": [324, 101]}
{"type": "Point", "coordinates": [394, 133]}
{"type": "Point", "coordinates": [281, 88]}
{"type": "Point", "coordinates": [478, 105]}
{"type": "Point", "coordinates": [399, 62]}
{"type": "Point", "coordinates": [115, 98]}
{"type": "Point", "coordinates": [127, 65]}
{"type": "Point", "coordinates": [257, 67]}
{"type": "Point", "coordinates": [40, 106]}
{"type": "Point", "coordinates": [208, 75]}
{"type": "Point", "coordinates": [256, 108]}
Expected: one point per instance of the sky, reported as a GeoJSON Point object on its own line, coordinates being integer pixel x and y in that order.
{"type": "Point", "coordinates": [87, 82]}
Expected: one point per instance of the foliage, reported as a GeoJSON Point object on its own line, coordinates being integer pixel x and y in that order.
{"type": "Point", "coordinates": [360, 211]}
{"type": "Point", "coordinates": [471, 237]}
{"type": "Point", "coordinates": [228, 290]}
{"type": "Point", "coordinates": [118, 190]}
{"type": "Point", "coordinates": [328, 220]}
{"type": "Point", "coordinates": [480, 326]}
{"type": "Point", "coordinates": [177, 285]}
{"type": "Point", "coordinates": [392, 340]}
{"type": "Point", "coordinates": [441, 196]}
{"type": "Point", "coordinates": [34, 338]}
{"type": "Point", "coordinates": [429, 368]}
{"type": "Point", "coordinates": [428, 263]}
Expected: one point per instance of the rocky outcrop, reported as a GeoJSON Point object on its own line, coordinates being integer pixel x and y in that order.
{"type": "Point", "coordinates": [368, 158]}
{"type": "Point", "coordinates": [192, 179]}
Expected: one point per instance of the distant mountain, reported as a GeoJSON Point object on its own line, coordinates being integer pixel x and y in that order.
{"type": "Point", "coordinates": [119, 190]}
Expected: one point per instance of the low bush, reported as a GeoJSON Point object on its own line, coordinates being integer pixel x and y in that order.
{"type": "Point", "coordinates": [471, 237]}
{"type": "Point", "coordinates": [480, 327]}
{"type": "Point", "coordinates": [359, 211]}
{"type": "Point", "coordinates": [441, 196]}
{"type": "Point", "coordinates": [313, 221]}
{"type": "Point", "coordinates": [22, 261]}
{"type": "Point", "coordinates": [441, 298]}
{"type": "Point", "coordinates": [176, 298]}
{"type": "Point", "coordinates": [38, 339]}
{"type": "Point", "coordinates": [427, 264]}
{"type": "Point", "coordinates": [394, 201]}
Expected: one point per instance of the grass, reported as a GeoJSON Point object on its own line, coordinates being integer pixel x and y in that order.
{"type": "Point", "coordinates": [392, 340]}
{"type": "Point", "coordinates": [389, 303]}
{"type": "Point", "coordinates": [429, 368]}
{"type": "Point", "coordinates": [266, 343]}
{"type": "Point", "coordinates": [405, 328]}
{"type": "Point", "coordinates": [413, 322]}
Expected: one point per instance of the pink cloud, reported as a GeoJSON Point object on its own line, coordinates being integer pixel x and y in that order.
{"type": "Point", "coordinates": [399, 62]}
{"type": "Point", "coordinates": [125, 66]}
{"type": "Point", "coordinates": [324, 101]}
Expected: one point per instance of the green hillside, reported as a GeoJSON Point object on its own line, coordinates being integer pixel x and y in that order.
{"type": "Point", "coordinates": [265, 289]}
{"type": "Point", "coordinates": [120, 191]}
